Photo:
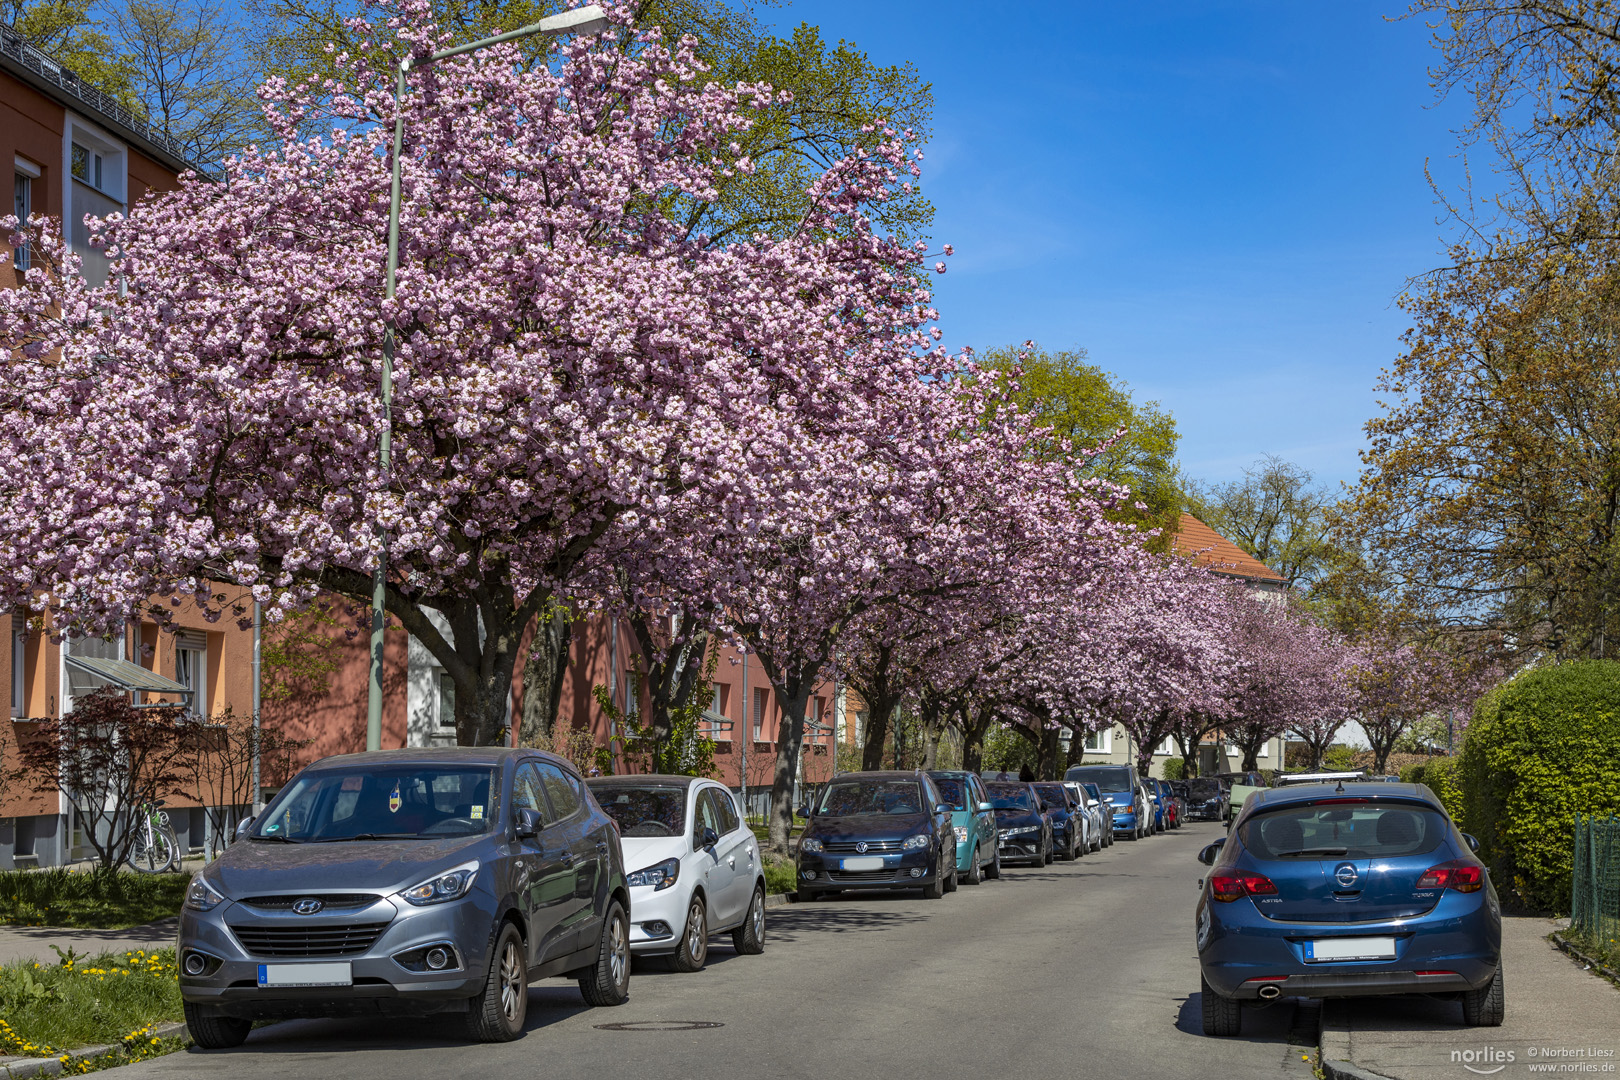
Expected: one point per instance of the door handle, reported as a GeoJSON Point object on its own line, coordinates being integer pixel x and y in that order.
{"type": "Point", "coordinates": [731, 861]}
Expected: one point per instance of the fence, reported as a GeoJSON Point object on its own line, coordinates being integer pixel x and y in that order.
{"type": "Point", "coordinates": [1595, 892]}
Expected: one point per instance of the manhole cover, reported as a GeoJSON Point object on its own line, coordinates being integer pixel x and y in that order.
{"type": "Point", "coordinates": [659, 1025]}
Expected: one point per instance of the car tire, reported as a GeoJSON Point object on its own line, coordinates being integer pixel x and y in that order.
{"type": "Point", "coordinates": [1485, 1007]}
{"type": "Point", "coordinates": [694, 947]}
{"type": "Point", "coordinates": [951, 882]}
{"type": "Point", "coordinates": [1223, 1017]}
{"type": "Point", "coordinates": [607, 982]}
{"type": "Point", "coordinates": [935, 889]}
{"type": "Point", "coordinates": [498, 1012]}
{"type": "Point", "coordinates": [975, 874]}
{"type": "Point", "coordinates": [749, 938]}
{"type": "Point", "coordinates": [993, 872]}
{"type": "Point", "coordinates": [211, 1031]}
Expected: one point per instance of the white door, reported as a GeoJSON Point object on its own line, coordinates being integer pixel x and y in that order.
{"type": "Point", "coordinates": [726, 866]}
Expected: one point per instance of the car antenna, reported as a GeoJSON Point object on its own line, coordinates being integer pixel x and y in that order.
{"type": "Point", "coordinates": [1340, 789]}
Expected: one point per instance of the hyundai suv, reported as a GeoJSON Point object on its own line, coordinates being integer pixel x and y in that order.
{"type": "Point", "coordinates": [408, 882]}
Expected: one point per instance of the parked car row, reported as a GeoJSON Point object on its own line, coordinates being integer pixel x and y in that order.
{"type": "Point", "coordinates": [418, 882]}
{"type": "Point", "coordinates": [1138, 807]}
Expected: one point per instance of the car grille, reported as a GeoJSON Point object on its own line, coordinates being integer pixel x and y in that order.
{"type": "Point", "coordinates": [342, 940]}
{"type": "Point", "coordinates": [874, 847]}
{"type": "Point", "coordinates": [329, 901]}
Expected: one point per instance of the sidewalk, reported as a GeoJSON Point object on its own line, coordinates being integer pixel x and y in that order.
{"type": "Point", "coordinates": [34, 942]}
{"type": "Point", "coordinates": [1551, 1004]}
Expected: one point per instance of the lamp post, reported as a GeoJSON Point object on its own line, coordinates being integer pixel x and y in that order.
{"type": "Point", "coordinates": [585, 20]}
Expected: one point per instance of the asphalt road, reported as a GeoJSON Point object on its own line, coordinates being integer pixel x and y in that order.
{"type": "Point", "coordinates": [1083, 969]}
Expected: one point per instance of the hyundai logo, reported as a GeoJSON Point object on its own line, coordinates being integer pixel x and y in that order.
{"type": "Point", "coordinates": [307, 906]}
{"type": "Point", "coordinates": [860, 846]}
{"type": "Point", "coordinates": [1345, 875]}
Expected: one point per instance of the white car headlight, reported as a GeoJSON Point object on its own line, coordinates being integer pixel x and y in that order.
{"type": "Point", "coordinates": [442, 888]}
{"type": "Point", "coordinates": [201, 896]}
{"type": "Point", "coordinates": [915, 843]}
{"type": "Point", "coordinates": [961, 834]}
{"type": "Point", "coordinates": [1025, 831]}
{"type": "Point", "coordinates": [660, 875]}
{"type": "Point", "coordinates": [810, 845]}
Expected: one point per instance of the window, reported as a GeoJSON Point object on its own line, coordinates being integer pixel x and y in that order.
{"type": "Point", "coordinates": [79, 682]}
{"type": "Point", "coordinates": [564, 796]}
{"type": "Point", "coordinates": [728, 811]}
{"type": "Point", "coordinates": [90, 166]}
{"type": "Point", "coordinates": [97, 190]}
{"type": "Point", "coordinates": [761, 699]}
{"type": "Point", "coordinates": [1168, 747]}
{"type": "Point", "coordinates": [22, 207]}
{"type": "Point", "coordinates": [632, 699]}
{"type": "Point", "coordinates": [19, 657]}
{"type": "Point", "coordinates": [1100, 741]}
{"type": "Point", "coordinates": [191, 669]}
{"type": "Point", "coordinates": [528, 793]}
{"type": "Point", "coordinates": [447, 701]}
{"type": "Point", "coordinates": [705, 816]}
{"type": "Point", "coordinates": [1265, 749]}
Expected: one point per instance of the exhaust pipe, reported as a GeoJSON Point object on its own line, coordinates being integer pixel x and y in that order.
{"type": "Point", "coordinates": [1270, 992]}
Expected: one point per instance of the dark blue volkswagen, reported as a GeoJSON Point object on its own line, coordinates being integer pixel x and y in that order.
{"type": "Point", "coordinates": [1359, 889]}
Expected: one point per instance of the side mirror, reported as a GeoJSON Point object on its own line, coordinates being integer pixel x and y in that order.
{"type": "Point", "coordinates": [1211, 852]}
{"type": "Point", "coordinates": [984, 808]}
{"type": "Point", "coordinates": [526, 824]}
{"type": "Point", "coordinates": [803, 812]}
{"type": "Point", "coordinates": [242, 828]}
{"type": "Point", "coordinates": [1043, 806]}
{"type": "Point", "coordinates": [944, 808]}
{"type": "Point", "coordinates": [710, 838]}
{"type": "Point", "coordinates": [1473, 842]}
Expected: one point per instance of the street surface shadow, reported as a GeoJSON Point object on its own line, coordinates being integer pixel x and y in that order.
{"type": "Point", "coordinates": [803, 922]}
{"type": "Point", "coordinates": [550, 1003]}
{"type": "Point", "coordinates": [1409, 1012]}
{"type": "Point", "coordinates": [1271, 1024]}
{"type": "Point", "coordinates": [721, 951]}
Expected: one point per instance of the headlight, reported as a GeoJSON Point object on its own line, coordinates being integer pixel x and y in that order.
{"type": "Point", "coordinates": [201, 896]}
{"type": "Point", "coordinates": [915, 843]}
{"type": "Point", "coordinates": [659, 875]}
{"type": "Point", "coordinates": [451, 885]}
{"type": "Point", "coordinates": [810, 844]}
{"type": "Point", "coordinates": [961, 834]}
{"type": "Point", "coordinates": [1022, 831]}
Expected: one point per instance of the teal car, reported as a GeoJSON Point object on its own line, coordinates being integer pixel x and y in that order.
{"type": "Point", "coordinates": [977, 854]}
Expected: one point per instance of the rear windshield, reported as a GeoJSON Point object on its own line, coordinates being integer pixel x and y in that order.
{"type": "Point", "coordinates": [952, 791]}
{"type": "Point", "coordinates": [644, 809]}
{"type": "Point", "coordinates": [382, 802]}
{"type": "Point", "coordinates": [1204, 788]}
{"type": "Point", "coordinates": [1337, 829]}
{"type": "Point", "coordinates": [872, 797]}
{"type": "Point", "coordinates": [1107, 777]}
{"type": "Point", "coordinates": [1009, 796]}
{"type": "Point", "coordinates": [1053, 794]}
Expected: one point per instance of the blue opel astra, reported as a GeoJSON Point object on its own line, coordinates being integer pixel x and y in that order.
{"type": "Point", "coordinates": [1359, 889]}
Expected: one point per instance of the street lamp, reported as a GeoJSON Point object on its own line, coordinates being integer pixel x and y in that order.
{"type": "Point", "coordinates": [585, 20]}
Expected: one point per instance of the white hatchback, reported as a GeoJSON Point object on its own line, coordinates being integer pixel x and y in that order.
{"type": "Point", "coordinates": [692, 865]}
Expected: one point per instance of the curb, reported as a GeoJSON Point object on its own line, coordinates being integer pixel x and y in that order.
{"type": "Point", "coordinates": [1343, 1070]}
{"type": "Point", "coordinates": [23, 1068]}
{"type": "Point", "coordinates": [1574, 952]}
{"type": "Point", "coordinates": [780, 899]}
{"type": "Point", "coordinates": [1339, 1069]}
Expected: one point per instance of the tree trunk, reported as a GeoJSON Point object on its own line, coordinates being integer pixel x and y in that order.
{"type": "Point", "coordinates": [486, 642]}
{"type": "Point", "coordinates": [791, 694]}
{"type": "Point", "coordinates": [672, 677]}
{"type": "Point", "coordinates": [544, 673]}
{"type": "Point", "coordinates": [877, 689]}
{"type": "Point", "coordinates": [975, 724]}
{"type": "Point", "coordinates": [1046, 762]}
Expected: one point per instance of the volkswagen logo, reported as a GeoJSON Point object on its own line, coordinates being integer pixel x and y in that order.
{"type": "Point", "coordinates": [860, 846]}
{"type": "Point", "coordinates": [1345, 875]}
{"type": "Point", "coordinates": [307, 906]}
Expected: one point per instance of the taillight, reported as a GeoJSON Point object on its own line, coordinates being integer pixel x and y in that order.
{"type": "Point", "coordinates": [1458, 874]}
{"type": "Point", "coordinates": [1229, 887]}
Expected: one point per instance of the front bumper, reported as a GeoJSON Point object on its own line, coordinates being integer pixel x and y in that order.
{"type": "Point", "coordinates": [901, 870]}
{"type": "Point", "coordinates": [382, 985]}
{"type": "Point", "coordinates": [659, 917]}
{"type": "Point", "coordinates": [1460, 937]}
{"type": "Point", "coordinates": [1124, 823]}
{"type": "Point", "coordinates": [1023, 847]}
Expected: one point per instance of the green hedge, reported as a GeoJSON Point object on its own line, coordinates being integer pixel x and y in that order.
{"type": "Point", "coordinates": [1541, 749]}
{"type": "Point", "coordinates": [1440, 774]}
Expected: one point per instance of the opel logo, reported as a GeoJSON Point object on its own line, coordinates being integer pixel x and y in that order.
{"type": "Point", "coordinates": [1345, 875]}
{"type": "Point", "coordinates": [307, 906]}
{"type": "Point", "coordinates": [861, 846]}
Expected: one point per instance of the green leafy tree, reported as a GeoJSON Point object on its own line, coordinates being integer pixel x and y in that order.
{"type": "Point", "coordinates": [72, 33]}
{"type": "Point", "coordinates": [1277, 513]}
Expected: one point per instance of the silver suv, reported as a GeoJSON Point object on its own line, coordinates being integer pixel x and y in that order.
{"type": "Point", "coordinates": [409, 882]}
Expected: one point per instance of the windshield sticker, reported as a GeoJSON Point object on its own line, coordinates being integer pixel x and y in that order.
{"type": "Point", "coordinates": [477, 813]}
{"type": "Point", "coordinates": [352, 783]}
{"type": "Point", "coordinates": [393, 799]}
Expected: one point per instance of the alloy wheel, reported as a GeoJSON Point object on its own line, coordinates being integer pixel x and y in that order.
{"type": "Point", "coordinates": [513, 984]}
{"type": "Point", "coordinates": [618, 952]}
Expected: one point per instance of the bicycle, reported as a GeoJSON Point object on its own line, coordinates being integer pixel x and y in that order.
{"type": "Point", "coordinates": [155, 847]}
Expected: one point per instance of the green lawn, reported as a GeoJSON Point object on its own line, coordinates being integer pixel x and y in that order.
{"type": "Point", "coordinates": [89, 899]}
{"type": "Point", "coordinates": [78, 1001]}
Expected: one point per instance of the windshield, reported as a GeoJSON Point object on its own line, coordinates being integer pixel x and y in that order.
{"type": "Point", "coordinates": [644, 809]}
{"type": "Point", "coordinates": [1053, 794]}
{"type": "Point", "coordinates": [1358, 830]}
{"type": "Point", "coordinates": [382, 802]}
{"type": "Point", "coordinates": [1094, 791]}
{"type": "Point", "coordinates": [1204, 788]}
{"type": "Point", "coordinates": [1107, 777]}
{"type": "Point", "coordinates": [1010, 797]}
{"type": "Point", "coordinates": [952, 791]}
{"type": "Point", "coordinates": [892, 797]}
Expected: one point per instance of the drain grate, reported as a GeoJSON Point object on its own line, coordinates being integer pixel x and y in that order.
{"type": "Point", "coordinates": [659, 1025]}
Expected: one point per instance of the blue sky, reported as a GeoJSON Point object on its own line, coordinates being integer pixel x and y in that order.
{"type": "Point", "coordinates": [1220, 201]}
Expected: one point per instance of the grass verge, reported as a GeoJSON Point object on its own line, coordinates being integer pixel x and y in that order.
{"type": "Point", "coordinates": [1606, 951]}
{"type": "Point", "coordinates": [88, 899]}
{"type": "Point", "coordinates": [779, 873]}
{"type": "Point", "coordinates": [114, 998]}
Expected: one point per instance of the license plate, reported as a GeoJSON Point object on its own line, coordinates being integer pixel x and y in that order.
{"type": "Point", "coordinates": [306, 974]}
{"type": "Point", "coordinates": [871, 862]}
{"type": "Point", "coordinates": [1350, 948]}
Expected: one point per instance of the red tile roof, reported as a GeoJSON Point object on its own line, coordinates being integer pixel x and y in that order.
{"type": "Point", "coordinates": [1210, 548]}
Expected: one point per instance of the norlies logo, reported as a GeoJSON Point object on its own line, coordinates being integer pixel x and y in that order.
{"type": "Point", "coordinates": [1486, 1061]}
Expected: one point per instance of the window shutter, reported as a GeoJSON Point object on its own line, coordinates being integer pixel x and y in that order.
{"type": "Point", "coordinates": [191, 639]}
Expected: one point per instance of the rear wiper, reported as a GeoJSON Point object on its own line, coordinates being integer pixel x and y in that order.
{"type": "Point", "coordinates": [1313, 851]}
{"type": "Point", "coordinates": [274, 839]}
{"type": "Point", "coordinates": [367, 836]}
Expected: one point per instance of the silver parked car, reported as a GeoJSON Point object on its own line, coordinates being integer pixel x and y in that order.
{"type": "Point", "coordinates": [409, 882]}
